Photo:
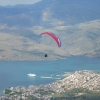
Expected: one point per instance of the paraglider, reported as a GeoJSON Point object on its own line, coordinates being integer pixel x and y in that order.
{"type": "Point", "coordinates": [55, 37]}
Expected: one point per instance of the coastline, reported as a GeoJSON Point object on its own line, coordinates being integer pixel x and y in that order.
{"type": "Point", "coordinates": [10, 70]}
{"type": "Point", "coordinates": [77, 79]}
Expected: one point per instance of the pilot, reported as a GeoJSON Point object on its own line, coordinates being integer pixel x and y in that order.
{"type": "Point", "coordinates": [46, 55]}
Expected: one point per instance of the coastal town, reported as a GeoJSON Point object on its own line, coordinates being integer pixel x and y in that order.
{"type": "Point", "coordinates": [85, 79]}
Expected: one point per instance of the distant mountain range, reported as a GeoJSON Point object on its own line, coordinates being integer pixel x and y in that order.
{"type": "Point", "coordinates": [76, 22]}
{"type": "Point", "coordinates": [49, 12]}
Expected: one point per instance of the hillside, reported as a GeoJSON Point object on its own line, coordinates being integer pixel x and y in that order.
{"type": "Point", "coordinates": [76, 23]}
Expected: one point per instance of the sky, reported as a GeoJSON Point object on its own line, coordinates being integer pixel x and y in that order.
{"type": "Point", "coordinates": [15, 2]}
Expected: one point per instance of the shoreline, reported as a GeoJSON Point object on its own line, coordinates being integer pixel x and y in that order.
{"type": "Point", "coordinates": [77, 79]}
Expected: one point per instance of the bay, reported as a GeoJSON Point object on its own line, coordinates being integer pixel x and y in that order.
{"type": "Point", "coordinates": [14, 73]}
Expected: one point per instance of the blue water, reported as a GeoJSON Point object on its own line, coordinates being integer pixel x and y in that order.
{"type": "Point", "coordinates": [14, 73]}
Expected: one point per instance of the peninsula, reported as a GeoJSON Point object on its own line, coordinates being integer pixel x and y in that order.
{"type": "Point", "coordinates": [78, 84]}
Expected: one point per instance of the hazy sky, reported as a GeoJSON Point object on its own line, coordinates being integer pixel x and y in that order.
{"type": "Point", "coordinates": [15, 2]}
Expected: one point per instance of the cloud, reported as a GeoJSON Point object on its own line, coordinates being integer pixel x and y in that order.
{"type": "Point", "coordinates": [15, 2]}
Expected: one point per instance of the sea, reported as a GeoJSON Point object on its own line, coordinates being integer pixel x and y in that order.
{"type": "Point", "coordinates": [14, 73]}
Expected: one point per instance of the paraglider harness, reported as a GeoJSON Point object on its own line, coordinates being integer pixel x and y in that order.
{"type": "Point", "coordinates": [46, 55]}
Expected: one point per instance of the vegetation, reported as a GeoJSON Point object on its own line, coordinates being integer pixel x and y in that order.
{"type": "Point", "coordinates": [43, 92]}
{"type": "Point", "coordinates": [32, 98]}
{"type": "Point", "coordinates": [7, 91]}
{"type": "Point", "coordinates": [78, 94]}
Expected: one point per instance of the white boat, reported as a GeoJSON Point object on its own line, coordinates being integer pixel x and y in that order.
{"type": "Point", "coordinates": [31, 74]}
{"type": "Point", "coordinates": [45, 77]}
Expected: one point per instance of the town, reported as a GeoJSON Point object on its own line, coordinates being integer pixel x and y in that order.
{"type": "Point", "coordinates": [85, 79]}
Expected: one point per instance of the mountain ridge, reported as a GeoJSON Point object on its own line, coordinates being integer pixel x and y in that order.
{"type": "Point", "coordinates": [76, 23]}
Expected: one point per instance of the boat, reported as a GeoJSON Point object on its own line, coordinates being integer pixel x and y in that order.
{"type": "Point", "coordinates": [31, 74]}
{"type": "Point", "coordinates": [45, 77]}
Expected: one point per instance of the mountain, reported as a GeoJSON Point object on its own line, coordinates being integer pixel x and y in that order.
{"type": "Point", "coordinates": [49, 12]}
{"type": "Point", "coordinates": [75, 22]}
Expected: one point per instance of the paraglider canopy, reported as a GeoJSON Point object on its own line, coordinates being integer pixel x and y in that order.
{"type": "Point", "coordinates": [55, 37]}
